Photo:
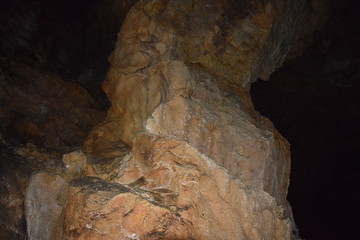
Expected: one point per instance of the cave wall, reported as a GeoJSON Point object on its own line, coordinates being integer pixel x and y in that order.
{"type": "Point", "coordinates": [171, 77]}
{"type": "Point", "coordinates": [53, 58]}
{"type": "Point", "coordinates": [182, 153]}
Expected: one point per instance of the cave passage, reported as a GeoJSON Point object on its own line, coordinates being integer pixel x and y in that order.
{"type": "Point", "coordinates": [314, 101]}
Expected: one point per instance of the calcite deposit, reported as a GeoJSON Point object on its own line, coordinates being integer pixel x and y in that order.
{"type": "Point", "coordinates": [178, 73]}
{"type": "Point", "coordinates": [43, 206]}
{"type": "Point", "coordinates": [184, 76]}
{"type": "Point", "coordinates": [182, 153]}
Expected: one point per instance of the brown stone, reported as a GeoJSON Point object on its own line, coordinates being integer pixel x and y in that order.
{"type": "Point", "coordinates": [185, 96]}
{"type": "Point", "coordinates": [44, 202]}
{"type": "Point", "coordinates": [179, 72]}
{"type": "Point", "coordinates": [203, 163]}
{"type": "Point", "coordinates": [176, 193]}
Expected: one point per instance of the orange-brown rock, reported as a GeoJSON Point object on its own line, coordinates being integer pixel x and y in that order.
{"type": "Point", "coordinates": [185, 74]}
{"type": "Point", "coordinates": [203, 164]}
{"type": "Point", "coordinates": [258, 156]}
{"type": "Point", "coordinates": [167, 189]}
{"type": "Point", "coordinates": [233, 42]}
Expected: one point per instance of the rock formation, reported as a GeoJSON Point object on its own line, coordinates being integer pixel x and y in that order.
{"type": "Point", "coordinates": [184, 76]}
{"type": "Point", "coordinates": [182, 153]}
{"type": "Point", "coordinates": [166, 189]}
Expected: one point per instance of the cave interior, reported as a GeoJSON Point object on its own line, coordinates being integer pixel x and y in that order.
{"type": "Point", "coordinates": [312, 99]}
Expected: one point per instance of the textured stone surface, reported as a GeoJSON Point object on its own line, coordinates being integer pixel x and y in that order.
{"type": "Point", "coordinates": [218, 41]}
{"type": "Point", "coordinates": [75, 163]}
{"type": "Point", "coordinates": [203, 163]}
{"type": "Point", "coordinates": [258, 157]}
{"type": "Point", "coordinates": [184, 76]}
{"type": "Point", "coordinates": [43, 206]}
{"type": "Point", "coordinates": [169, 190]}
{"type": "Point", "coordinates": [172, 79]}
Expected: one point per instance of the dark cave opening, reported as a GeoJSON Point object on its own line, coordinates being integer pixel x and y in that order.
{"type": "Point", "coordinates": [72, 39]}
{"type": "Point", "coordinates": [313, 101]}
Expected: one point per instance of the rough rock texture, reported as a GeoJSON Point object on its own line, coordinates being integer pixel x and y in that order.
{"type": "Point", "coordinates": [179, 73]}
{"type": "Point", "coordinates": [167, 189]}
{"type": "Point", "coordinates": [184, 76]}
{"type": "Point", "coordinates": [203, 163]}
{"type": "Point", "coordinates": [16, 167]}
{"type": "Point", "coordinates": [43, 208]}
{"type": "Point", "coordinates": [52, 55]}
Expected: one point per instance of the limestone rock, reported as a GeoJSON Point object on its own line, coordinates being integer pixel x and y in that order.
{"type": "Point", "coordinates": [259, 157]}
{"type": "Point", "coordinates": [235, 48]}
{"type": "Point", "coordinates": [169, 190]}
{"type": "Point", "coordinates": [75, 163]}
{"type": "Point", "coordinates": [204, 164]}
{"type": "Point", "coordinates": [44, 202]}
{"type": "Point", "coordinates": [190, 81]}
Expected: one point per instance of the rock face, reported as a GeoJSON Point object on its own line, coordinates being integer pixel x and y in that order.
{"type": "Point", "coordinates": [167, 189]}
{"type": "Point", "coordinates": [29, 199]}
{"type": "Point", "coordinates": [206, 160]}
{"type": "Point", "coordinates": [43, 206]}
{"type": "Point", "coordinates": [178, 73]}
{"type": "Point", "coordinates": [182, 153]}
